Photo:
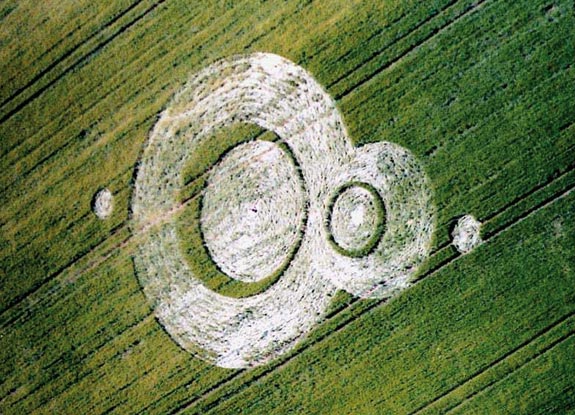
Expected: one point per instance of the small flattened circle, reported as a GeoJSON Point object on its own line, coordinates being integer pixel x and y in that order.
{"type": "Point", "coordinates": [356, 219]}
{"type": "Point", "coordinates": [103, 204]}
{"type": "Point", "coordinates": [466, 234]}
{"type": "Point", "coordinates": [387, 267]}
{"type": "Point", "coordinates": [253, 210]}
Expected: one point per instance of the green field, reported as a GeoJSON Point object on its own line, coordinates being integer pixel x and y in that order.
{"type": "Point", "coordinates": [482, 92]}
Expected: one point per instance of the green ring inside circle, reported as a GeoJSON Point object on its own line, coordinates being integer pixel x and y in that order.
{"type": "Point", "coordinates": [189, 227]}
{"type": "Point", "coordinates": [380, 224]}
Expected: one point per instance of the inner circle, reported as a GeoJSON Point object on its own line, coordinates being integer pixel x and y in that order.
{"type": "Point", "coordinates": [253, 211]}
{"type": "Point", "coordinates": [356, 219]}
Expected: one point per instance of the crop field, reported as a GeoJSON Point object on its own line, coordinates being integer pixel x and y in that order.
{"type": "Point", "coordinates": [119, 302]}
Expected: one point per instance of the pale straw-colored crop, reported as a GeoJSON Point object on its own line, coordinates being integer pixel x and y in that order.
{"type": "Point", "coordinates": [103, 204]}
{"type": "Point", "coordinates": [466, 234]}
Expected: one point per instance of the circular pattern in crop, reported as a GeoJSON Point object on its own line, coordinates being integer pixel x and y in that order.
{"type": "Point", "coordinates": [466, 234]}
{"type": "Point", "coordinates": [394, 174]}
{"type": "Point", "coordinates": [264, 199]}
{"type": "Point", "coordinates": [103, 204]}
{"type": "Point", "coordinates": [356, 219]}
{"type": "Point", "coordinates": [253, 211]}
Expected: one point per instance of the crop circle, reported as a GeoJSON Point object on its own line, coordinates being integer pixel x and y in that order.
{"type": "Point", "coordinates": [253, 211]}
{"type": "Point", "coordinates": [386, 265]}
{"type": "Point", "coordinates": [103, 204]}
{"type": "Point", "coordinates": [356, 219]}
{"type": "Point", "coordinates": [279, 96]}
{"type": "Point", "coordinates": [466, 234]}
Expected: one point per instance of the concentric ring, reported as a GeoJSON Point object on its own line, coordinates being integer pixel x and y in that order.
{"type": "Point", "coordinates": [279, 96]}
{"type": "Point", "coordinates": [355, 219]}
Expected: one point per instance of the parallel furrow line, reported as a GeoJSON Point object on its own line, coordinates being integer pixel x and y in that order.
{"type": "Point", "coordinates": [503, 358]}
{"type": "Point", "coordinates": [379, 52]}
{"type": "Point", "coordinates": [78, 62]}
{"type": "Point", "coordinates": [410, 49]}
{"type": "Point", "coordinates": [68, 122]}
{"type": "Point", "coordinates": [534, 357]}
{"type": "Point", "coordinates": [67, 54]}
{"type": "Point", "coordinates": [413, 30]}
{"type": "Point", "coordinates": [470, 396]}
{"type": "Point", "coordinates": [89, 354]}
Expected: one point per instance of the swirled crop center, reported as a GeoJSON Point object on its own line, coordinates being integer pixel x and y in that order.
{"type": "Point", "coordinates": [253, 211]}
{"type": "Point", "coordinates": [356, 220]}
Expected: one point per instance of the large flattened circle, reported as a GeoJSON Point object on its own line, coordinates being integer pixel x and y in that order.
{"type": "Point", "coordinates": [253, 211]}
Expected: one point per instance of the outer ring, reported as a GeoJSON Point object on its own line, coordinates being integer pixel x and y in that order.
{"type": "Point", "coordinates": [277, 95]}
